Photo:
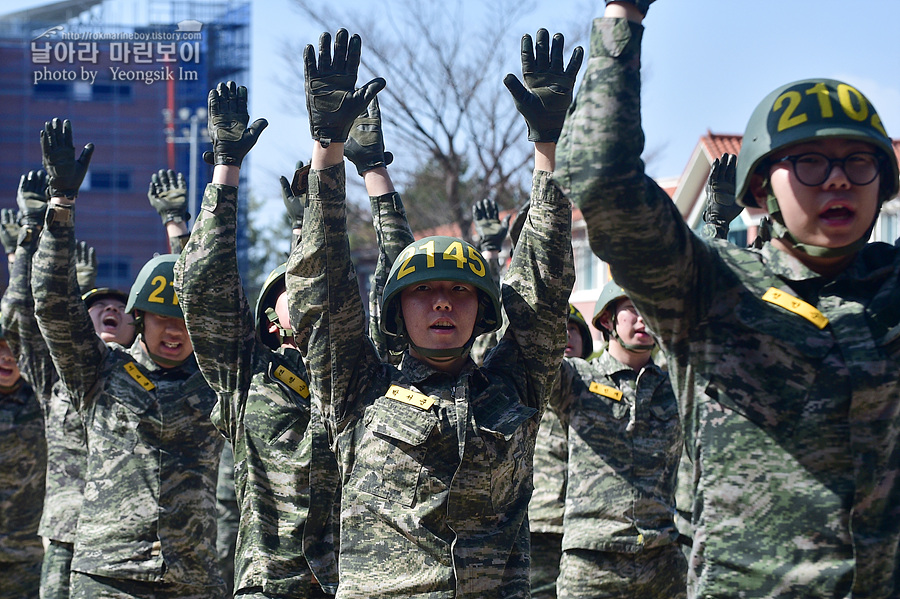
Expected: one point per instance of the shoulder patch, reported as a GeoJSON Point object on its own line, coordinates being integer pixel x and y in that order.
{"type": "Point", "coordinates": [412, 398]}
{"type": "Point", "coordinates": [132, 369]}
{"type": "Point", "coordinates": [605, 391]}
{"type": "Point", "coordinates": [795, 305]}
{"type": "Point", "coordinates": [292, 380]}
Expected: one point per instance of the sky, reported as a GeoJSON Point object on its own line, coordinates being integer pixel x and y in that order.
{"type": "Point", "coordinates": [706, 64]}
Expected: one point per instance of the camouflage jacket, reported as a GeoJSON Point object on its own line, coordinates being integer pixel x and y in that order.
{"type": "Point", "coordinates": [23, 463]}
{"type": "Point", "coordinates": [548, 501]}
{"type": "Point", "coordinates": [393, 234]}
{"type": "Point", "coordinates": [285, 474]}
{"type": "Point", "coordinates": [434, 498]}
{"type": "Point", "coordinates": [793, 428]}
{"type": "Point", "coordinates": [624, 440]}
{"type": "Point", "coordinates": [149, 509]}
{"type": "Point", "coordinates": [63, 428]}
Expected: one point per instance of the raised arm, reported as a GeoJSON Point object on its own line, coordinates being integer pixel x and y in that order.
{"type": "Point", "coordinates": [19, 324]}
{"type": "Point", "coordinates": [537, 286]}
{"type": "Point", "coordinates": [63, 319]}
{"type": "Point", "coordinates": [216, 312]}
{"type": "Point", "coordinates": [365, 149]}
{"type": "Point", "coordinates": [168, 196]}
{"type": "Point", "coordinates": [325, 307]}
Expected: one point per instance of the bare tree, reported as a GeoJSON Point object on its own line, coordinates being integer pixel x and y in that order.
{"type": "Point", "coordinates": [445, 106]}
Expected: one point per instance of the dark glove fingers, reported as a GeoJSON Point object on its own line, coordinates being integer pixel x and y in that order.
{"type": "Point", "coordinates": [527, 50]}
{"type": "Point", "coordinates": [542, 51]}
{"type": "Point", "coordinates": [339, 59]}
{"type": "Point", "coordinates": [354, 52]}
{"type": "Point", "coordinates": [325, 67]}
{"type": "Point", "coordinates": [556, 53]}
{"type": "Point", "coordinates": [575, 63]}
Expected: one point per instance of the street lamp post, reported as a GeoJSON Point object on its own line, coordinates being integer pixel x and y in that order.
{"type": "Point", "coordinates": [192, 135]}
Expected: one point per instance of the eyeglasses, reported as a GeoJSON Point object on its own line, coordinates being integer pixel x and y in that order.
{"type": "Point", "coordinates": [813, 169]}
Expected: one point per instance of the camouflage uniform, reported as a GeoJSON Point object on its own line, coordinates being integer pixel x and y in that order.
{"type": "Point", "coordinates": [624, 445]}
{"type": "Point", "coordinates": [792, 428]}
{"type": "Point", "coordinates": [64, 430]}
{"type": "Point", "coordinates": [148, 513]}
{"type": "Point", "coordinates": [434, 500]}
{"type": "Point", "coordinates": [285, 474]}
{"type": "Point", "coordinates": [393, 234]}
{"type": "Point", "coordinates": [229, 517]}
{"type": "Point", "coordinates": [23, 462]}
{"type": "Point", "coordinates": [547, 505]}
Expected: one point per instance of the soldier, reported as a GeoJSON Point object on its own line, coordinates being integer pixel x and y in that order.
{"type": "Point", "coordinates": [784, 359]}
{"type": "Point", "coordinates": [624, 441]}
{"type": "Point", "coordinates": [435, 456]}
{"type": "Point", "coordinates": [147, 522]}
{"type": "Point", "coordinates": [23, 463]}
{"type": "Point", "coordinates": [285, 473]}
{"type": "Point", "coordinates": [547, 508]}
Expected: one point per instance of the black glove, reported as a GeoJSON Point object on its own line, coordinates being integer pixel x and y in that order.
{"type": "Point", "coordinates": [641, 5]}
{"type": "Point", "coordinates": [365, 143]}
{"type": "Point", "coordinates": [548, 94]}
{"type": "Point", "coordinates": [491, 230]}
{"type": "Point", "coordinates": [227, 125]}
{"type": "Point", "coordinates": [721, 207]}
{"type": "Point", "coordinates": [332, 99]}
{"type": "Point", "coordinates": [85, 266]}
{"type": "Point", "coordinates": [294, 195]}
{"type": "Point", "coordinates": [32, 197]}
{"type": "Point", "coordinates": [168, 196]}
{"type": "Point", "coordinates": [9, 230]}
{"type": "Point", "coordinates": [64, 173]}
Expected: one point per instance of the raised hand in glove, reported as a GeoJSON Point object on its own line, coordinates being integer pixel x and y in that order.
{"type": "Point", "coordinates": [491, 230]}
{"type": "Point", "coordinates": [85, 266]}
{"type": "Point", "coordinates": [294, 195]}
{"type": "Point", "coordinates": [227, 125]}
{"type": "Point", "coordinates": [64, 173]}
{"type": "Point", "coordinates": [547, 93]}
{"type": "Point", "coordinates": [9, 230]}
{"type": "Point", "coordinates": [721, 207]}
{"type": "Point", "coordinates": [168, 196]}
{"type": "Point", "coordinates": [32, 197]}
{"type": "Point", "coordinates": [365, 143]}
{"type": "Point", "coordinates": [332, 99]}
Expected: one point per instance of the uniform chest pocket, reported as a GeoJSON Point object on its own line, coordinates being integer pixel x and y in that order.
{"type": "Point", "coordinates": [765, 363]}
{"type": "Point", "coordinates": [279, 421]}
{"type": "Point", "coordinates": [509, 445]}
{"type": "Point", "coordinates": [392, 450]}
{"type": "Point", "coordinates": [115, 426]}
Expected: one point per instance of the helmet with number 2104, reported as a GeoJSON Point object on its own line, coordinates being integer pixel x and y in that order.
{"type": "Point", "coordinates": [805, 111]}
{"type": "Point", "coordinates": [153, 289]}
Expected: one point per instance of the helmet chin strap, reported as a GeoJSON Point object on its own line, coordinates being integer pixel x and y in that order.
{"type": "Point", "coordinates": [780, 231]}
{"type": "Point", "coordinates": [632, 347]}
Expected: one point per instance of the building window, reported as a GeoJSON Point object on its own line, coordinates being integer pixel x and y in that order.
{"type": "Point", "coordinates": [115, 272]}
{"type": "Point", "coordinates": [111, 92]}
{"type": "Point", "coordinates": [51, 91]}
{"type": "Point", "coordinates": [111, 180]}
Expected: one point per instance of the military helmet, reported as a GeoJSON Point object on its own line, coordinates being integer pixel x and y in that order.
{"type": "Point", "coordinates": [267, 298]}
{"type": "Point", "coordinates": [805, 111]}
{"type": "Point", "coordinates": [611, 292]}
{"type": "Point", "coordinates": [153, 289]}
{"type": "Point", "coordinates": [587, 340]}
{"type": "Point", "coordinates": [440, 258]}
{"type": "Point", "coordinates": [99, 293]}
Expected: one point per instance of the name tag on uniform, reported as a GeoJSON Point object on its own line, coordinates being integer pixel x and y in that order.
{"type": "Point", "coordinates": [416, 400]}
{"type": "Point", "coordinates": [135, 373]}
{"type": "Point", "coordinates": [610, 392]}
{"type": "Point", "coordinates": [292, 380]}
{"type": "Point", "coordinates": [795, 305]}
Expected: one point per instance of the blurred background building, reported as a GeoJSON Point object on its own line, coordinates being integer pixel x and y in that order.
{"type": "Point", "coordinates": [133, 77]}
